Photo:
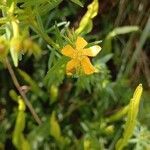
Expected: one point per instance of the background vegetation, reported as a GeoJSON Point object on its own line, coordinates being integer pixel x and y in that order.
{"type": "Point", "coordinates": [43, 108]}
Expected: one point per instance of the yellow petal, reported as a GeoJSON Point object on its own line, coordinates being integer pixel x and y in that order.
{"type": "Point", "coordinates": [92, 51]}
{"type": "Point", "coordinates": [80, 43]}
{"type": "Point", "coordinates": [87, 66]}
{"type": "Point", "coordinates": [71, 66]}
{"type": "Point", "coordinates": [68, 51]}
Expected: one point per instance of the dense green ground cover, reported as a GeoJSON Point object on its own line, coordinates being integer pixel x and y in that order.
{"type": "Point", "coordinates": [96, 103]}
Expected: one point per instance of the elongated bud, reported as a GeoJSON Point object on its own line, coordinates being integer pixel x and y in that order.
{"type": "Point", "coordinates": [53, 93]}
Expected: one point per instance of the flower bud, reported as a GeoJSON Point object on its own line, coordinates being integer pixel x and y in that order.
{"type": "Point", "coordinates": [53, 93]}
{"type": "Point", "coordinates": [16, 46]}
{"type": "Point", "coordinates": [27, 44]}
{"type": "Point", "coordinates": [3, 48]}
{"type": "Point", "coordinates": [31, 47]}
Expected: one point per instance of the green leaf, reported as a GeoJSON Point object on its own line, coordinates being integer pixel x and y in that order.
{"type": "Point", "coordinates": [56, 74]}
{"type": "Point", "coordinates": [131, 118]}
{"type": "Point", "coordinates": [107, 46]}
{"type": "Point", "coordinates": [118, 115]}
{"type": "Point", "coordinates": [106, 58]}
{"type": "Point", "coordinates": [13, 95]}
{"type": "Point", "coordinates": [34, 86]}
{"type": "Point", "coordinates": [58, 35]}
{"type": "Point", "coordinates": [77, 2]}
{"type": "Point", "coordinates": [42, 6]}
{"type": "Point", "coordinates": [123, 30]}
{"type": "Point", "coordinates": [39, 132]}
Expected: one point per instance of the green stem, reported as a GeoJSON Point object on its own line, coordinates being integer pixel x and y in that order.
{"type": "Point", "coordinates": [118, 115]}
{"type": "Point", "coordinates": [44, 35]}
{"type": "Point", "coordinates": [17, 85]}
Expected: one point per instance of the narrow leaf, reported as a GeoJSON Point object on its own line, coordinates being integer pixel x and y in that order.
{"type": "Point", "coordinates": [77, 2]}
{"type": "Point", "coordinates": [34, 86]}
{"type": "Point", "coordinates": [107, 47]}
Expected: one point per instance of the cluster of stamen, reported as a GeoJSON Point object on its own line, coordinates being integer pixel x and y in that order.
{"type": "Point", "coordinates": [78, 55]}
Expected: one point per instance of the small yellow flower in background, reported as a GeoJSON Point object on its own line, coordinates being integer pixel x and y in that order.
{"type": "Point", "coordinates": [79, 57]}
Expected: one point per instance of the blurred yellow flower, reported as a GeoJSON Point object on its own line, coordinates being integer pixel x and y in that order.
{"type": "Point", "coordinates": [79, 57]}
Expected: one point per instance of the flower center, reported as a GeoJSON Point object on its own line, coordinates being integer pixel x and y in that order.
{"type": "Point", "coordinates": [79, 54]}
{"type": "Point", "coordinates": [2, 48]}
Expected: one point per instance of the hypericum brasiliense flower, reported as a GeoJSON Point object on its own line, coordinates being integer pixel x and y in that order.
{"type": "Point", "coordinates": [80, 57]}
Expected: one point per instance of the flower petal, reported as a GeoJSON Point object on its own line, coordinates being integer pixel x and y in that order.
{"type": "Point", "coordinates": [71, 66]}
{"type": "Point", "coordinates": [92, 51]}
{"type": "Point", "coordinates": [68, 51]}
{"type": "Point", "coordinates": [80, 43]}
{"type": "Point", "coordinates": [87, 66]}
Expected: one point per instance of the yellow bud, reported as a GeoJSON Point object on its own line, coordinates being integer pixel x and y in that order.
{"type": "Point", "coordinates": [109, 130]}
{"type": "Point", "coordinates": [27, 44]}
{"type": "Point", "coordinates": [21, 106]}
{"type": "Point", "coordinates": [3, 48]}
{"type": "Point", "coordinates": [53, 93]}
{"type": "Point", "coordinates": [31, 47]}
{"type": "Point", "coordinates": [16, 44]}
{"type": "Point", "coordinates": [36, 50]}
{"type": "Point", "coordinates": [87, 145]}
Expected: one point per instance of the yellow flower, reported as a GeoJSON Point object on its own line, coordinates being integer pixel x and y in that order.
{"type": "Point", "coordinates": [79, 57]}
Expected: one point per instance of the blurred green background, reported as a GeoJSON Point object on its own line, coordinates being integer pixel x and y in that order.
{"type": "Point", "coordinates": [74, 111]}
